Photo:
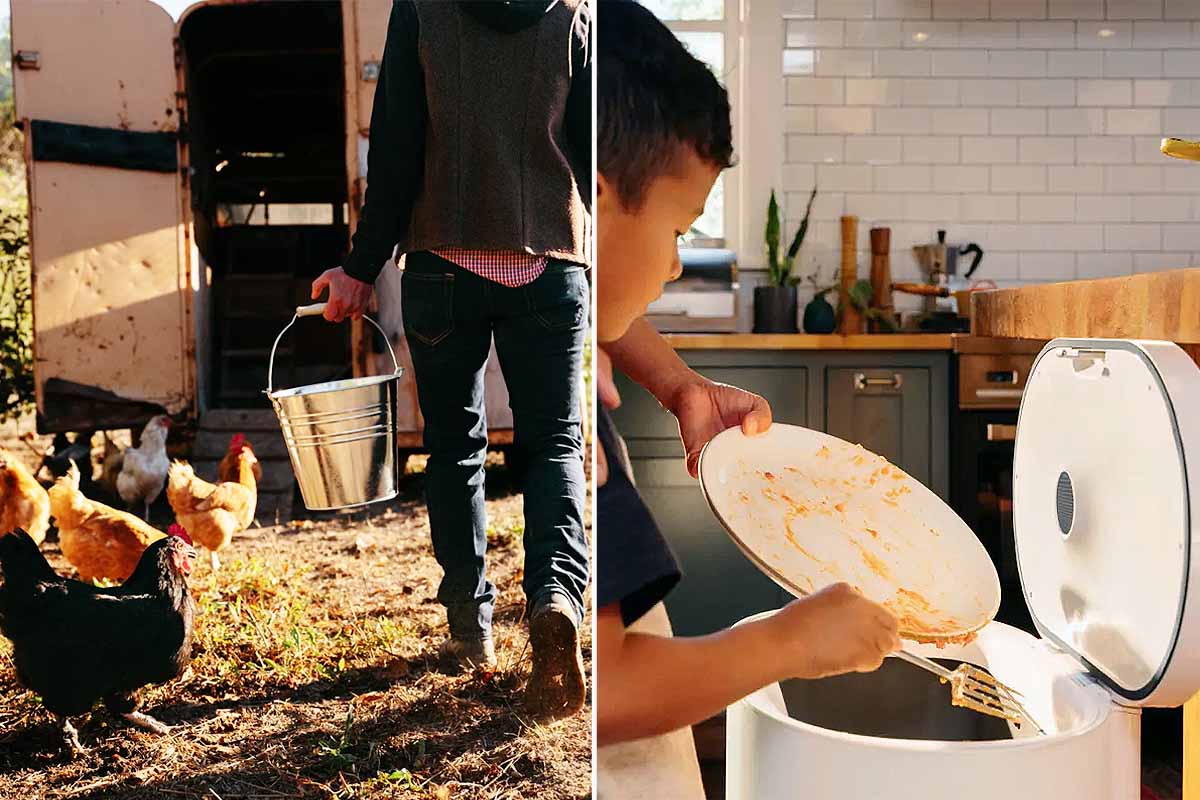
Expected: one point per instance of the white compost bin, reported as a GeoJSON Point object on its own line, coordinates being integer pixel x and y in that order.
{"type": "Point", "coordinates": [1104, 491]}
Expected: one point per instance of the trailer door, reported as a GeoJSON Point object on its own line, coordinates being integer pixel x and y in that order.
{"type": "Point", "coordinates": [95, 85]}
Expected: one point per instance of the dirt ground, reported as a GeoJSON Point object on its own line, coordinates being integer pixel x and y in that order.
{"type": "Point", "coordinates": [315, 675]}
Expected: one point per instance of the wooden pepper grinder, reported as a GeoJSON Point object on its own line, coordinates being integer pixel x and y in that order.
{"type": "Point", "coordinates": [881, 274]}
{"type": "Point", "coordinates": [852, 319]}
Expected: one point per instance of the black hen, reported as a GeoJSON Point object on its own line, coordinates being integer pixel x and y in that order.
{"type": "Point", "coordinates": [75, 644]}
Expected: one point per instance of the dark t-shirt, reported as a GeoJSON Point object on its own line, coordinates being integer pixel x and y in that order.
{"type": "Point", "coordinates": [635, 565]}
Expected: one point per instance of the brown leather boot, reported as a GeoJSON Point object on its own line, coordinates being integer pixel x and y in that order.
{"type": "Point", "coordinates": [556, 687]}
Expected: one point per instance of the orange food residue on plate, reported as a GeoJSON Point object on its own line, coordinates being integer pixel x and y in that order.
{"type": "Point", "coordinates": [823, 452]}
{"type": "Point", "coordinates": [921, 621]}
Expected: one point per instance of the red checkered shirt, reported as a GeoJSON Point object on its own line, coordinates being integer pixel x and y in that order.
{"type": "Point", "coordinates": [505, 267]}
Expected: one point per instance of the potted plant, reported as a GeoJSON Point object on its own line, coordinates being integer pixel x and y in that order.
{"type": "Point", "coordinates": [819, 314]}
{"type": "Point", "coordinates": [775, 303]}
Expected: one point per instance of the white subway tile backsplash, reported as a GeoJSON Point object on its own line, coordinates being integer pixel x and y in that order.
{"type": "Point", "coordinates": [1133, 64]}
{"type": "Point", "coordinates": [874, 91]}
{"type": "Point", "coordinates": [856, 63]}
{"type": "Point", "coordinates": [816, 91]}
{"type": "Point", "coordinates": [989, 150]}
{"type": "Point", "coordinates": [1135, 180]}
{"type": "Point", "coordinates": [1161, 34]}
{"type": "Point", "coordinates": [988, 208]}
{"type": "Point", "coordinates": [1153, 262]}
{"type": "Point", "coordinates": [1103, 208]}
{"type": "Point", "coordinates": [903, 9]}
{"type": "Point", "coordinates": [929, 92]}
{"type": "Point", "coordinates": [1133, 121]}
{"type": "Point", "coordinates": [1030, 126]}
{"type": "Point", "coordinates": [1047, 266]}
{"type": "Point", "coordinates": [984, 35]}
{"type": "Point", "coordinates": [1104, 35]}
{"type": "Point", "coordinates": [1170, 92]}
{"type": "Point", "coordinates": [873, 149]}
{"type": "Point", "coordinates": [926, 35]}
{"type": "Point", "coordinates": [903, 120]}
{"type": "Point", "coordinates": [1018, 9]}
{"type": "Point", "coordinates": [959, 64]}
{"type": "Point", "coordinates": [1104, 93]}
{"type": "Point", "coordinates": [1135, 9]}
{"type": "Point", "coordinates": [872, 33]}
{"type": "Point", "coordinates": [963, 179]}
{"type": "Point", "coordinates": [844, 119]}
{"type": "Point", "coordinates": [1076, 9]}
{"type": "Point", "coordinates": [1181, 237]}
{"type": "Point", "coordinates": [961, 121]}
{"type": "Point", "coordinates": [903, 63]}
{"type": "Point", "coordinates": [850, 9]}
{"type": "Point", "coordinates": [1075, 64]}
{"type": "Point", "coordinates": [1181, 63]}
{"type": "Point", "coordinates": [930, 207]}
{"type": "Point", "coordinates": [1046, 150]}
{"type": "Point", "coordinates": [1132, 237]}
{"type": "Point", "coordinates": [815, 33]}
{"type": "Point", "coordinates": [844, 177]}
{"type": "Point", "coordinates": [1045, 92]}
{"type": "Point", "coordinates": [1018, 179]}
{"type": "Point", "coordinates": [1103, 150]}
{"type": "Point", "coordinates": [1047, 207]}
{"type": "Point", "coordinates": [930, 150]}
{"type": "Point", "coordinates": [960, 9]}
{"type": "Point", "coordinates": [1103, 265]}
{"type": "Point", "coordinates": [987, 93]}
{"type": "Point", "coordinates": [1163, 208]}
{"type": "Point", "coordinates": [1017, 63]}
{"type": "Point", "coordinates": [1076, 121]}
{"type": "Point", "coordinates": [1046, 35]}
{"type": "Point", "coordinates": [815, 148]}
{"type": "Point", "coordinates": [1030, 121]}
{"type": "Point", "coordinates": [1076, 179]}
{"type": "Point", "coordinates": [904, 178]}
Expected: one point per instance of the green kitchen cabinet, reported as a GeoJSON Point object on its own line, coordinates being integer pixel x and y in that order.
{"type": "Point", "coordinates": [895, 403]}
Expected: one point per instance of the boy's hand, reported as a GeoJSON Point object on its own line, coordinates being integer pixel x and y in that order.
{"type": "Point", "coordinates": [704, 408]}
{"type": "Point", "coordinates": [833, 631]}
{"type": "Point", "coordinates": [348, 297]}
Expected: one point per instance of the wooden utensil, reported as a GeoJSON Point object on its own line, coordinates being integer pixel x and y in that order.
{"type": "Point", "coordinates": [881, 272]}
{"type": "Point", "coordinates": [852, 319]}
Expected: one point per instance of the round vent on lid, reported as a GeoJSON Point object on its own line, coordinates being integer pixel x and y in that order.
{"type": "Point", "coordinates": [1102, 511]}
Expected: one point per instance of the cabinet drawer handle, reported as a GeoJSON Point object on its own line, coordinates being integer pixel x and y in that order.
{"type": "Point", "coordinates": [998, 394]}
{"type": "Point", "coordinates": [1001, 433]}
{"type": "Point", "coordinates": [861, 381]}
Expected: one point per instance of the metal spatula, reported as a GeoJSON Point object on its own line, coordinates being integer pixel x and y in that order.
{"type": "Point", "coordinates": [971, 687]}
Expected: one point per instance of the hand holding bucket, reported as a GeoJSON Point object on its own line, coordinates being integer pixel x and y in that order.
{"type": "Point", "coordinates": [340, 435]}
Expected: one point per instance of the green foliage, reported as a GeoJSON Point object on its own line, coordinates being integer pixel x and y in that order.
{"type": "Point", "coordinates": [16, 313]}
{"type": "Point", "coordinates": [860, 296]}
{"type": "Point", "coordinates": [779, 270]}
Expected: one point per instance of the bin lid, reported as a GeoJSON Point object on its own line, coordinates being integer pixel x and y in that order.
{"type": "Point", "coordinates": [1102, 511]}
{"type": "Point", "coordinates": [810, 510]}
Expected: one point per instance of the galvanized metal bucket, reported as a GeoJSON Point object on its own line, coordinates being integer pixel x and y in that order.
{"type": "Point", "coordinates": [340, 435]}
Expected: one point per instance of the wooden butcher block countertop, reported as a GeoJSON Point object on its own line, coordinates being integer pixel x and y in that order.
{"type": "Point", "coordinates": [957, 342]}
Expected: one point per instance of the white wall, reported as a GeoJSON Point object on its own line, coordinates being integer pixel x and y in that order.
{"type": "Point", "coordinates": [1029, 126]}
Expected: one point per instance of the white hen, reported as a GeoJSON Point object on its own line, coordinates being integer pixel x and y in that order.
{"type": "Point", "coordinates": [144, 471]}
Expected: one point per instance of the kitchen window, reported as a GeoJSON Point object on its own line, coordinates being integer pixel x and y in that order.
{"type": "Point", "coordinates": [711, 31]}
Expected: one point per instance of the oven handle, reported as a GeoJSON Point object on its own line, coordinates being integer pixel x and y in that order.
{"type": "Point", "coordinates": [998, 394]}
{"type": "Point", "coordinates": [1001, 433]}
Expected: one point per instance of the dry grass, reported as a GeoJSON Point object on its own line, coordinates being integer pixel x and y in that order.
{"type": "Point", "coordinates": [314, 676]}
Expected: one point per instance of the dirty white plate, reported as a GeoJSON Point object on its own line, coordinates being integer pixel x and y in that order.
{"type": "Point", "coordinates": [810, 510]}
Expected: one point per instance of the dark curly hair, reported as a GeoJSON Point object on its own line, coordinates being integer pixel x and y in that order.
{"type": "Point", "coordinates": [652, 98]}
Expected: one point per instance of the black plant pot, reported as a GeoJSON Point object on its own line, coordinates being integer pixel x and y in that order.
{"type": "Point", "coordinates": [775, 309]}
{"type": "Point", "coordinates": [819, 316]}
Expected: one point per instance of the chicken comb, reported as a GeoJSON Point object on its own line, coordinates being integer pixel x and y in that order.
{"type": "Point", "coordinates": [237, 441]}
{"type": "Point", "coordinates": [178, 530]}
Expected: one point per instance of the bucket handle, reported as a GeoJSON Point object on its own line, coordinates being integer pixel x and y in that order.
{"type": "Point", "coordinates": [311, 311]}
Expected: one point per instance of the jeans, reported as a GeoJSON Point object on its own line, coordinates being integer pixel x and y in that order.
{"type": "Point", "coordinates": [450, 318]}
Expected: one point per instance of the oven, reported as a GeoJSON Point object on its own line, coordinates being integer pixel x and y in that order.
{"type": "Point", "coordinates": [983, 431]}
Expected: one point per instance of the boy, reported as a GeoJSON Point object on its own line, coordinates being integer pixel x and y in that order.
{"type": "Point", "coordinates": [663, 136]}
{"type": "Point", "coordinates": [479, 171]}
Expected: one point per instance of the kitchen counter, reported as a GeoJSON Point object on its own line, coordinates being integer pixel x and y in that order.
{"type": "Point", "coordinates": [956, 342]}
